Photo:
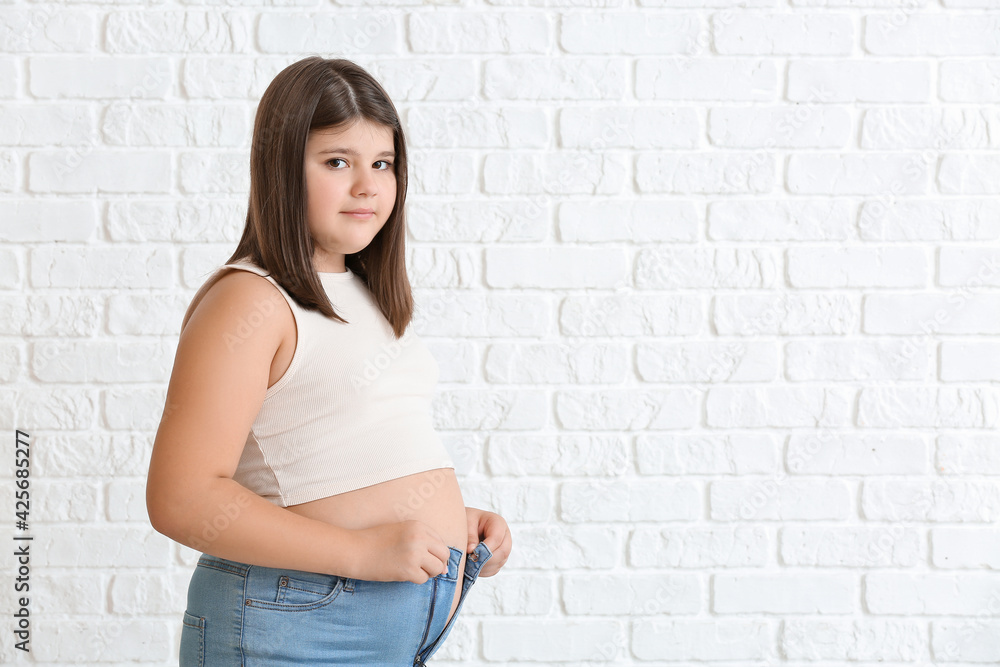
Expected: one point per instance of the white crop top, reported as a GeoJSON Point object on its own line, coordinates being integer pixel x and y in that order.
{"type": "Point", "coordinates": [353, 408]}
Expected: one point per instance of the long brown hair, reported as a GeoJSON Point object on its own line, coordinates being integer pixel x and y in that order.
{"type": "Point", "coordinates": [318, 93]}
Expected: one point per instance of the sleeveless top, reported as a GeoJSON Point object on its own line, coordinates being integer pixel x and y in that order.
{"type": "Point", "coordinates": [353, 408]}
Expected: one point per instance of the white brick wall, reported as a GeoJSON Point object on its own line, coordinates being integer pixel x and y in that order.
{"type": "Point", "coordinates": [727, 359]}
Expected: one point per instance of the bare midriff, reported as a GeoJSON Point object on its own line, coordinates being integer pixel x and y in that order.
{"type": "Point", "coordinates": [443, 510]}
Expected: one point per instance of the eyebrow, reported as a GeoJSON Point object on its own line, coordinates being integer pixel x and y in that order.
{"type": "Point", "coordinates": [351, 151]}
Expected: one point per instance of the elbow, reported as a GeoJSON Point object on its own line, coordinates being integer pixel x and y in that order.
{"type": "Point", "coordinates": [162, 512]}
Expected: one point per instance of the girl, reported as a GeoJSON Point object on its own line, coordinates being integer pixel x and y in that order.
{"type": "Point", "coordinates": [296, 448]}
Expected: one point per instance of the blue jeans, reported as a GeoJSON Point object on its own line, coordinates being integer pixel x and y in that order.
{"type": "Point", "coordinates": [251, 616]}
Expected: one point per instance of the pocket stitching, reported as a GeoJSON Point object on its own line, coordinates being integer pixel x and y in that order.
{"type": "Point", "coordinates": [199, 625]}
{"type": "Point", "coordinates": [307, 606]}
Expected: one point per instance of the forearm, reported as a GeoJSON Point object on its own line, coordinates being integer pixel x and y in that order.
{"type": "Point", "coordinates": [225, 519]}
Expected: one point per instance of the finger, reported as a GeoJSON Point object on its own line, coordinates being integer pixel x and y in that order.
{"type": "Point", "coordinates": [496, 532]}
{"type": "Point", "coordinates": [472, 528]}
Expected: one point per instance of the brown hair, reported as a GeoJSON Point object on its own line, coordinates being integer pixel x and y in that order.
{"type": "Point", "coordinates": [311, 94]}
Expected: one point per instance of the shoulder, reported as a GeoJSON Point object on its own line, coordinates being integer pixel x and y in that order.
{"type": "Point", "coordinates": [233, 300]}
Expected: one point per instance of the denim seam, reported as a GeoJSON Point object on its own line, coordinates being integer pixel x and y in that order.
{"type": "Point", "coordinates": [427, 625]}
{"type": "Point", "coordinates": [309, 606]}
{"type": "Point", "coordinates": [223, 567]}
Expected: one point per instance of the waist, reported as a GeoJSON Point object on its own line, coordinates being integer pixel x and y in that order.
{"type": "Point", "coordinates": [432, 497]}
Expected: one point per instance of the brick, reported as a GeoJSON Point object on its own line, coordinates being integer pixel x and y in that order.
{"type": "Point", "coordinates": [850, 454]}
{"type": "Point", "coordinates": [855, 640]}
{"type": "Point", "coordinates": [788, 126]}
{"type": "Point", "coordinates": [931, 594]}
{"type": "Point", "coordinates": [706, 454]}
{"type": "Point", "coordinates": [749, 314]}
{"type": "Point", "coordinates": [631, 314]}
{"type": "Point", "coordinates": [344, 33]}
{"type": "Point", "coordinates": [26, 124]}
{"type": "Point", "coordinates": [489, 409]}
{"type": "Point", "coordinates": [887, 266]}
{"type": "Point", "coordinates": [730, 79]}
{"type": "Point", "coordinates": [778, 406]}
{"type": "Point", "coordinates": [94, 171]}
{"type": "Point", "coordinates": [786, 593]}
{"type": "Point", "coordinates": [703, 173]}
{"type": "Point", "coordinates": [700, 267]}
{"type": "Point", "coordinates": [629, 500]}
{"type": "Point", "coordinates": [927, 313]}
{"type": "Point", "coordinates": [545, 363]}
{"type": "Point", "coordinates": [189, 124]}
{"type": "Point", "coordinates": [99, 77]}
{"type": "Point", "coordinates": [947, 501]}
{"type": "Point", "coordinates": [834, 80]}
{"type": "Point", "coordinates": [739, 640]}
{"type": "Point", "coordinates": [971, 454]}
{"type": "Point", "coordinates": [40, 221]}
{"type": "Point", "coordinates": [797, 34]}
{"type": "Point", "coordinates": [779, 499]}
{"type": "Point", "coordinates": [698, 547]}
{"type": "Point", "coordinates": [555, 267]}
{"type": "Point", "coordinates": [969, 80]}
{"type": "Point", "coordinates": [543, 78]}
{"type": "Point", "coordinates": [920, 34]}
{"type": "Point", "coordinates": [614, 409]}
{"type": "Point", "coordinates": [47, 30]}
{"type": "Point", "coordinates": [628, 127]}
{"type": "Point", "coordinates": [965, 548]}
{"type": "Point", "coordinates": [628, 32]}
{"type": "Point", "coordinates": [779, 220]}
{"type": "Point", "coordinates": [563, 455]}
{"type": "Point", "coordinates": [569, 172]}
{"type": "Point", "coordinates": [850, 360]}
{"type": "Point", "coordinates": [505, 127]}
{"type": "Point", "coordinates": [638, 221]}
{"type": "Point", "coordinates": [101, 267]}
{"type": "Point", "coordinates": [508, 640]}
{"type": "Point", "coordinates": [704, 362]}
{"type": "Point", "coordinates": [930, 220]}
{"type": "Point", "coordinates": [631, 594]}
{"type": "Point", "coordinates": [473, 32]}
{"type": "Point", "coordinates": [851, 546]}
{"type": "Point", "coordinates": [928, 407]}
{"type": "Point", "coordinates": [179, 31]}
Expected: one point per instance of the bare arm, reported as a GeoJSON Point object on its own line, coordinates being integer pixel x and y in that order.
{"type": "Point", "coordinates": [215, 392]}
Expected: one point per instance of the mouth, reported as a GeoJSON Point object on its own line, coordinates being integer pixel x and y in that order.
{"type": "Point", "coordinates": [360, 212]}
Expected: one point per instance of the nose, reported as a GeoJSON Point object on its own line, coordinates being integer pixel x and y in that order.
{"type": "Point", "coordinates": [365, 183]}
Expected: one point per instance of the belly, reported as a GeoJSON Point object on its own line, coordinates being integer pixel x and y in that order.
{"type": "Point", "coordinates": [432, 497]}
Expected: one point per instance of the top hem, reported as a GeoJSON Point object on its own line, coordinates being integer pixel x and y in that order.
{"type": "Point", "coordinates": [328, 490]}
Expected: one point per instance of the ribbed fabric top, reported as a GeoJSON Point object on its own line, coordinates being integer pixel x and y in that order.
{"type": "Point", "coordinates": [353, 408]}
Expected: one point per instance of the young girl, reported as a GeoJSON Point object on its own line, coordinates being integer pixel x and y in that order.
{"type": "Point", "coordinates": [296, 448]}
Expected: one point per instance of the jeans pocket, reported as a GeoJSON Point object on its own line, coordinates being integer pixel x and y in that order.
{"type": "Point", "coordinates": [192, 641]}
{"type": "Point", "coordinates": [296, 593]}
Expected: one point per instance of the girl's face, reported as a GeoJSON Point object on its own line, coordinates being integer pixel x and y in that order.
{"type": "Point", "coordinates": [344, 171]}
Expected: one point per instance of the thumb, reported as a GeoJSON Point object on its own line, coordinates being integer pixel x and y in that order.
{"type": "Point", "coordinates": [472, 523]}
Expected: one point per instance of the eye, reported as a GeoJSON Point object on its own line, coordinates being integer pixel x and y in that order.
{"type": "Point", "coordinates": [336, 159]}
{"type": "Point", "coordinates": [388, 165]}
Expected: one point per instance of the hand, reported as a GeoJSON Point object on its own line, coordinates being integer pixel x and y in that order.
{"type": "Point", "coordinates": [491, 529]}
{"type": "Point", "coordinates": [405, 551]}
